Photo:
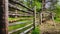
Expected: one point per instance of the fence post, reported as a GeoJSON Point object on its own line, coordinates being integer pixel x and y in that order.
{"type": "Point", "coordinates": [16, 14]}
{"type": "Point", "coordinates": [43, 5]}
{"type": "Point", "coordinates": [3, 16]}
{"type": "Point", "coordinates": [34, 17]}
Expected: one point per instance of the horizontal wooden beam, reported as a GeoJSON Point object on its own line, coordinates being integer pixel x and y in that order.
{"type": "Point", "coordinates": [20, 28]}
{"type": "Point", "coordinates": [17, 8]}
{"type": "Point", "coordinates": [27, 31]}
{"type": "Point", "coordinates": [18, 2]}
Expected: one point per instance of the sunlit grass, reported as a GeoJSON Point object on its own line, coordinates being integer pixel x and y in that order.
{"type": "Point", "coordinates": [18, 26]}
{"type": "Point", "coordinates": [26, 21]}
{"type": "Point", "coordinates": [15, 27]}
{"type": "Point", "coordinates": [36, 31]}
{"type": "Point", "coordinates": [21, 18]}
{"type": "Point", "coordinates": [57, 20]}
{"type": "Point", "coordinates": [18, 32]}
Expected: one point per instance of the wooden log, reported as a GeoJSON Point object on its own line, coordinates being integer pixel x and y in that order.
{"type": "Point", "coordinates": [17, 8]}
{"type": "Point", "coordinates": [20, 28]}
{"type": "Point", "coordinates": [18, 2]}
{"type": "Point", "coordinates": [26, 31]}
{"type": "Point", "coordinates": [3, 16]}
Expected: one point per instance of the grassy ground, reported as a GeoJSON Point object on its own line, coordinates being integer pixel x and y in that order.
{"type": "Point", "coordinates": [11, 19]}
{"type": "Point", "coordinates": [22, 19]}
{"type": "Point", "coordinates": [49, 28]}
{"type": "Point", "coordinates": [18, 32]}
{"type": "Point", "coordinates": [36, 31]}
{"type": "Point", "coordinates": [57, 20]}
{"type": "Point", "coordinates": [18, 25]}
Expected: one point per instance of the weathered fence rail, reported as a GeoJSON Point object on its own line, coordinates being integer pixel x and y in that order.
{"type": "Point", "coordinates": [30, 12]}
{"type": "Point", "coordinates": [17, 8]}
{"type": "Point", "coordinates": [17, 2]}
{"type": "Point", "coordinates": [15, 23]}
{"type": "Point", "coordinates": [20, 28]}
{"type": "Point", "coordinates": [26, 31]}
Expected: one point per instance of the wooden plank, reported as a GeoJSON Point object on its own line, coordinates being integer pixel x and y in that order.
{"type": "Point", "coordinates": [3, 16]}
{"type": "Point", "coordinates": [18, 2]}
{"type": "Point", "coordinates": [25, 32]}
{"type": "Point", "coordinates": [20, 28]}
{"type": "Point", "coordinates": [10, 14]}
{"type": "Point", "coordinates": [11, 24]}
{"type": "Point", "coordinates": [17, 8]}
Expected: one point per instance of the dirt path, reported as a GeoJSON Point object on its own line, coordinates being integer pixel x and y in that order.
{"type": "Point", "coordinates": [49, 28]}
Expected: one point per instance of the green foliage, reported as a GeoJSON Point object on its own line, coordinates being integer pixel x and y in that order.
{"type": "Point", "coordinates": [36, 31]}
{"type": "Point", "coordinates": [33, 3]}
{"type": "Point", "coordinates": [38, 6]}
{"type": "Point", "coordinates": [38, 0]}
{"type": "Point", "coordinates": [57, 11]}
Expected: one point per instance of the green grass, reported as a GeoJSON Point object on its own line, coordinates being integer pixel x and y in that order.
{"type": "Point", "coordinates": [18, 32]}
{"type": "Point", "coordinates": [57, 20]}
{"type": "Point", "coordinates": [25, 18]}
{"type": "Point", "coordinates": [57, 11]}
{"type": "Point", "coordinates": [18, 26]}
{"type": "Point", "coordinates": [36, 31]}
{"type": "Point", "coordinates": [11, 19]}
{"type": "Point", "coordinates": [14, 27]}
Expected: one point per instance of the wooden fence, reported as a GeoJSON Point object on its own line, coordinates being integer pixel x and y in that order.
{"type": "Point", "coordinates": [4, 6]}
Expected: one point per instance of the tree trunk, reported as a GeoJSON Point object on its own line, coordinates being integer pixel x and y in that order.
{"type": "Point", "coordinates": [3, 16]}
